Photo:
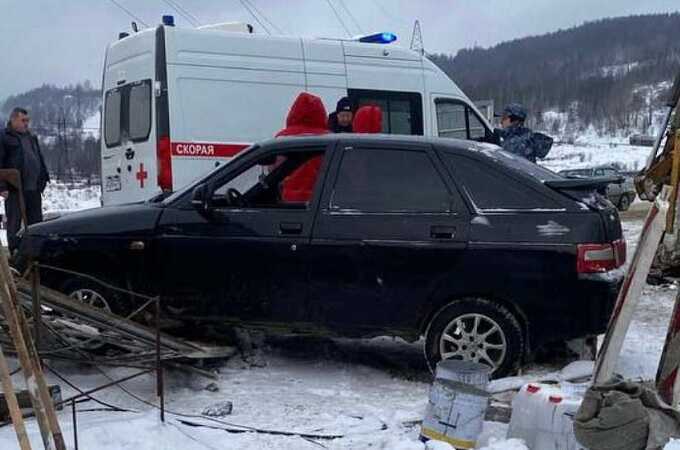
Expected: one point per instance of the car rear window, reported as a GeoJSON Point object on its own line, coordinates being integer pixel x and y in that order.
{"type": "Point", "coordinates": [490, 189]}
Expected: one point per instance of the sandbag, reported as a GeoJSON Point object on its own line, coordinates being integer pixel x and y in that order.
{"type": "Point", "coordinates": [625, 416]}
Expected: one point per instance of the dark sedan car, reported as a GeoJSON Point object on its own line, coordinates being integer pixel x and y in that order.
{"type": "Point", "coordinates": [482, 253]}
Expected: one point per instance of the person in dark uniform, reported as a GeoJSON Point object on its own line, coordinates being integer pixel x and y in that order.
{"type": "Point", "coordinates": [341, 120]}
{"type": "Point", "coordinates": [515, 138]}
{"type": "Point", "coordinates": [19, 149]}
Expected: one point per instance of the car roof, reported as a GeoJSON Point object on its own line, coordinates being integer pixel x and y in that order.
{"type": "Point", "coordinates": [451, 144]}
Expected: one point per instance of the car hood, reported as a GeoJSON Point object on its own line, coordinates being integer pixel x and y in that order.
{"type": "Point", "coordinates": [107, 221]}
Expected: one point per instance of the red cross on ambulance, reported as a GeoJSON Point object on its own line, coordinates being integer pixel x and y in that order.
{"type": "Point", "coordinates": [142, 175]}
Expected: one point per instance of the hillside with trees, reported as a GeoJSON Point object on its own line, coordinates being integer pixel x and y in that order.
{"type": "Point", "coordinates": [58, 117]}
{"type": "Point", "coordinates": [608, 73]}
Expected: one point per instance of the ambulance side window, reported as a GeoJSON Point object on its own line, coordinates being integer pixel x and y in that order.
{"type": "Point", "coordinates": [127, 113]}
{"type": "Point", "coordinates": [112, 110]}
{"type": "Point", "coordinates": [457, 120]}
{"type": "Point", "coordinates": [139, 125]}
{"type": "Point", "coordinates": [402, 111]}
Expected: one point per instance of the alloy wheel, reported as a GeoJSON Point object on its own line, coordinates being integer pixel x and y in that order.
{"type": "Point", "coordinates": [474, 337]}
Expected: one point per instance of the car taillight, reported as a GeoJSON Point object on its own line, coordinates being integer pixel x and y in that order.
{"type": "Point", "coordinates": [620, 251]}
{"type": "Point", "coordinates": [597, 258]}
{"type": "Point", "coordinates": [164, 158]}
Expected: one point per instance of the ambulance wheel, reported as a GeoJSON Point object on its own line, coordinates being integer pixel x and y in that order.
{"type": "Point", "coordinates": [477, 330]}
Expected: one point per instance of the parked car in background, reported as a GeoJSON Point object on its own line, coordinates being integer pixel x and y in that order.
{"type": "Point", "coordinates": [484, 254]}
{"type": "Point", "coordinates": [621, 192]}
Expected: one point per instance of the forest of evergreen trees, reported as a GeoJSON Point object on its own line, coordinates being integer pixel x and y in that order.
{"type": "Point", "coordinates": [593, 71]}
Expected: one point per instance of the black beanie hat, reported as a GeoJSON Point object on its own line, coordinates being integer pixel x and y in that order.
{"type": "Point", "coordinates": [343, 105]}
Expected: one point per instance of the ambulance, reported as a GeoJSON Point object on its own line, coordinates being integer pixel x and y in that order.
{"type": "Point", "coordinates": [178, 102]}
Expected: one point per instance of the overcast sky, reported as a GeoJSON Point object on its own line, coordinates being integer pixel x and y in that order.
{"type": "Point", "coordinates": [63, 41]}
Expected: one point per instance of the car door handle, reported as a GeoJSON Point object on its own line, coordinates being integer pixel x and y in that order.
{"type": "Point", "coordinates": [442, 232]}
{"type": "Point", "coordinates": [129, 154]}
{"type": "Point", "coordinates": [290, 228]}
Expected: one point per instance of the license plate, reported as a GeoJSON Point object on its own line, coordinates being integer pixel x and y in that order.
{"type": "Point", "coordinates": [112, 183]}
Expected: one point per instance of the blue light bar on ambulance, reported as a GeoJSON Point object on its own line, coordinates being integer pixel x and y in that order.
{"type": "Point", "coordinates": [379, 38]}
{"type": "Point", "coordinates": [168, 20]}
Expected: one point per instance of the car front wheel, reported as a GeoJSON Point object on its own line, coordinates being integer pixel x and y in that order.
{"type": "Point", "coordinates": [477, 330]}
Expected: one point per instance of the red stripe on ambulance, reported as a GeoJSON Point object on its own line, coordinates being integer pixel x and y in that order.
{"type": "Point", "coordinates": [206, 149]}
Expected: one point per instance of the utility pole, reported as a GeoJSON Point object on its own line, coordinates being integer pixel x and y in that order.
{"type": "Point", "coordinates": [417, 39]}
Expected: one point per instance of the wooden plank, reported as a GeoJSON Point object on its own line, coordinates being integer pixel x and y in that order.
{"type": "Point", "coordinates": [43, 407]}
{"type": "Point", "coordinates": [101, 319]}
{"type": "Point", "coordinates": [13, 407]}
{"type": "Point", "coordinates": [631, 290]}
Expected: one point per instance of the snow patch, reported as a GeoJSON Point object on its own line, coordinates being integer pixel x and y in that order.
{"type": "Point", "coordinates": [673, 444]}
{"type": "Point", "coordinates": [552, 229]}
{"type": "Point", "coordinates": [481, 220]}
{"type": "Point", "coordinates": [509, 444]}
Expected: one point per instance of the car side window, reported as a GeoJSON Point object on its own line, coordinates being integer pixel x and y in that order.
{"type": "Point", "coordinates": [373, 180]}
{"type": "Point", "coordinates": [492, 190]}
{"type": "Point", "coordinates": [457, 120]}
{"type": "Point", "coordinates": [283, 180]}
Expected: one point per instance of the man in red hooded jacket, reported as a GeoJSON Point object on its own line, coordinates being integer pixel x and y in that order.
{"type": "Point", "coordinates": [306, 116]}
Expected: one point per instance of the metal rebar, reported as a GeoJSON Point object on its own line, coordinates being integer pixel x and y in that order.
{"type": "Point", "coordinates": [75, 424]}
{"type": "Point", "coordinates": [105, 386]}
{"type": "Point", "coordinates": [37, 306]}
{"type": "Point", "coordinates": [159, 363]}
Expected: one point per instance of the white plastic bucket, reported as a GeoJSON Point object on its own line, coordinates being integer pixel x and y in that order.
{"type": "Point", "coordinates": [455, 412]}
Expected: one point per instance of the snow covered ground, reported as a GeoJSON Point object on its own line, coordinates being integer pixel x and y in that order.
{"type": "Point", "coordinates": [60, 198]}
{"type": "Point", "coordinates": [369, 391]}
{"type": "Point", "coordinates": [591, 150]}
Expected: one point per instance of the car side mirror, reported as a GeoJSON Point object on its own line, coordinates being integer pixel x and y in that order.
{"type": "Point", "coordinates": [200, 198]}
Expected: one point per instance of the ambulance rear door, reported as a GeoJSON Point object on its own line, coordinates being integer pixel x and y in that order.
{"type": "Point", "coordinates": [128, 149]}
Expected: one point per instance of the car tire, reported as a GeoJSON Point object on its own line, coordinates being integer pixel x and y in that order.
{"type": "Point", "coordinates": [497, 339]}
{"type": "Point", "coordinates": [624, 203]}
{"type": "Point", "coordinates": [94, 294]}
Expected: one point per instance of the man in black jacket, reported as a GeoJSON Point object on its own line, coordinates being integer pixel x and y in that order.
{"type": "Point", "coordinates": [340, 121]}
{"type": "Point", "coordinates": [19, 149]}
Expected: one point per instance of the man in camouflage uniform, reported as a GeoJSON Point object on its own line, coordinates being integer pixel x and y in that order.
{"type": "Point", "coordinates": [515, 138]}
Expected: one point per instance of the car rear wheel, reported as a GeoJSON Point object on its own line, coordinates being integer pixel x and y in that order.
{"type": "Point", "coordinates": [477, 330]}
{"type": "Point", "coordinates": [624, 203]}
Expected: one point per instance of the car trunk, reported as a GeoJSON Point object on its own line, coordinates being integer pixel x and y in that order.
{"type": "Point", "coordinates": [587, 191]}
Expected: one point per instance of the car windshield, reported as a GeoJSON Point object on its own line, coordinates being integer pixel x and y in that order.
{"type": "Point", "coordinates": [167, 199]}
